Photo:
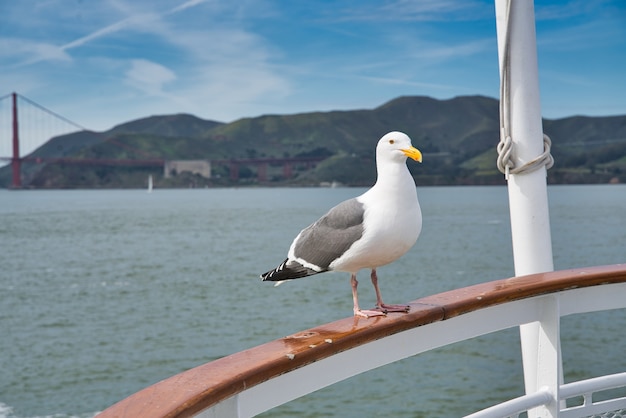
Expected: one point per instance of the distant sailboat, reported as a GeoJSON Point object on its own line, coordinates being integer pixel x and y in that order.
{"type": "Point", "coordinates": [150, 183]}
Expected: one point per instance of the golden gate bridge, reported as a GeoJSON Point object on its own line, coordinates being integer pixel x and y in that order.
{"type": "Point", "coordinates": [26, 125]}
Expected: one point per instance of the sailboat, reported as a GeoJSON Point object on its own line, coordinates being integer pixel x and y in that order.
{"type": "Point", "coordinates": [150, 183]}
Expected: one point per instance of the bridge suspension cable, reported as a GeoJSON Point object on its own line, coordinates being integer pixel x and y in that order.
{"type": "Point", "coordinates": [36, 125]}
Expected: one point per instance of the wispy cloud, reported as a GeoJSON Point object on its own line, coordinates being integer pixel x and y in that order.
{"type": "Point", "coordinates": [144, 21]}
{"type": "Point", "coordinates": [148, 76]}
{"type": "Point", "coordinates": [587, 35]}
{"type": "Point", "coordinates": [107, 30]}
{"type": "Point", "coordinates": [567, 10]}
{"type": "Point", "coordinates": [223, 60]}
{"type": "Point", "coordinates": [186, 5]}
{"type": "Point", "coordinates": [435, 10]}
{"type": "Point", "coordinates": [416, 11]}
{"type": "Point", "coordinates": [441, 52]}
{"type": "Point", "coordinates": [410, 83]}
{"type": "Point", "coordinates": [26, 52]}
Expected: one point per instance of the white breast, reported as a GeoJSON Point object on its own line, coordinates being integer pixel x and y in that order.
{"type": "Point", "coordinates": [392, 221]}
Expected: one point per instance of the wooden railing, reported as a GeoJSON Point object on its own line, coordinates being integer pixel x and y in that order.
{"type": "Point", "coordinates": [255, 380]}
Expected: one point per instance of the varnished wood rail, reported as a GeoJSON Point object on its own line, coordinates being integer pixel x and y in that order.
{"type": "Point", "coordinates": [222, 384]}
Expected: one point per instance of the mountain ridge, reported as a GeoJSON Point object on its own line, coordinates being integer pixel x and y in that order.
{"type": "Point", "coordinates": [458, 137]}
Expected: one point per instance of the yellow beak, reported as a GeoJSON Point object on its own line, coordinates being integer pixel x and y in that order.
{"type": "Point", "coordinates": [413, 153]}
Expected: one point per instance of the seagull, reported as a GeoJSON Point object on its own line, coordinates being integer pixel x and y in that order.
{"type": "Point", "coordinates": [365, 232]}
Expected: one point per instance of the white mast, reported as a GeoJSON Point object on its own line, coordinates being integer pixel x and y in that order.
{"type": "Point", "coordinates": [521, 128]}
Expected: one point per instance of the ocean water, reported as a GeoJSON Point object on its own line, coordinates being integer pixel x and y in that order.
{"type": "Point", "coordinates": [105, 292]}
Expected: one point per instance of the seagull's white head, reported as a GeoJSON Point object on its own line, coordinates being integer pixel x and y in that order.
{"type": "Point", "coordinates": [397, 146]}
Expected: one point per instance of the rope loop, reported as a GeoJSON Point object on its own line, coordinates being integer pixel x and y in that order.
{"type": "Point", "coordinates": [505, 163]}
{"type": "Point", "coordinates": [505, 146]}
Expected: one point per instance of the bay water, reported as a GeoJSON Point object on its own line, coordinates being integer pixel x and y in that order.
{"type": "Point", "coordinates": [104, 292]}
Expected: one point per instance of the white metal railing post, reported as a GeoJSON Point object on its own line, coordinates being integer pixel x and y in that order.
{"type": "Point", "coordinates": [549, 356]}
{"type": "Point", "coordinates": [528, 196]}
{"type": "Point", "coordinates": [228, 408]}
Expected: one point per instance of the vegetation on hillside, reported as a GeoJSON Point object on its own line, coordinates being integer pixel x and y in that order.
{"type": "Point", "coordinates": [457, 137]}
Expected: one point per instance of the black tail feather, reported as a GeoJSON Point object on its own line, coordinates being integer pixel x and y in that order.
{"type": "Point", "coordinates": [288, 270]}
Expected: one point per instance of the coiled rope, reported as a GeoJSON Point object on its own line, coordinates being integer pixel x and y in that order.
{"type": "Point", "coordinates": [505, 146]}
{"type": "Point", "coordinates": [506, 165]}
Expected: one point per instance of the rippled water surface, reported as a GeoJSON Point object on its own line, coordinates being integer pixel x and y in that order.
{"type": "Point", "coordinates": [105, 292]}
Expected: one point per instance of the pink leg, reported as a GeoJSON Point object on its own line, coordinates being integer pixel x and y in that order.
{"type": "Point", "coordinates": [358, 311]}
{"type": "Point", "coordinates": [379, 299]}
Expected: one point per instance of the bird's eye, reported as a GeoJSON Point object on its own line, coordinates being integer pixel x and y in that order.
{"type": "Point", "coordinates": [391, 141]}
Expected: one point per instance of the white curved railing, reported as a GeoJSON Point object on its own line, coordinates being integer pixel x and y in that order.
{"type": "Point", "coordinates": [250, 382]}
{"type": "Point", "coordinates": [584, 388]}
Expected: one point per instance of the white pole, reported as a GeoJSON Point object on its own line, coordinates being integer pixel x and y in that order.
{"type": "Point", "coordinates": [528, 196]}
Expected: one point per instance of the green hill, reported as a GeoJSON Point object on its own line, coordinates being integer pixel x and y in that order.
{"type": "Point", "coordinates": [458, 137]}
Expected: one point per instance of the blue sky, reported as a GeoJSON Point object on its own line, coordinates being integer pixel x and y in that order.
{"type": "Point", "coordinates": [101, 63]}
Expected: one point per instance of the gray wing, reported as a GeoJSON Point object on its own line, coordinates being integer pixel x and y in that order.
{"type": "Point", "coordinates": [331, 236]}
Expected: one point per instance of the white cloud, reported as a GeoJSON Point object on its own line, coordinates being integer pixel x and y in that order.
{"type": "Point", "coordinates": [567, 10]}
{"type": "Point", "coordinates": [149, 21]}
{"type": "Point", "coordinates": [24, 51]}
{"type": "Point", "coordinates": [451, 51]}
{"type": "Point", "coordinates": [224, 60]}
{"type": "Point", "coordinates": [187, 5]}
{"type": "Point", "coordinates": [110, 29]}
{"type": "Point", "coordinates": [418, 11]}
{"type": "Point", "coordinates": [434, 10]}
{"type": "Point", "coordinates": [148, 76]}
